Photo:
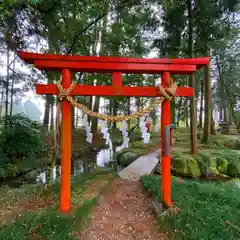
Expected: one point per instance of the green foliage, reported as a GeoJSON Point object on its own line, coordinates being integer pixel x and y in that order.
{"type": "Point", "coordinates": [21, 140]}
{"type": "Point", "coordinates": [206, 210]}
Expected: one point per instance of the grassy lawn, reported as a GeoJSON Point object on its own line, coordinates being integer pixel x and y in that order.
{"type": "Point", "coordinates": [206, 210]}
{"type": "Point", "coordinates": [33, 212]}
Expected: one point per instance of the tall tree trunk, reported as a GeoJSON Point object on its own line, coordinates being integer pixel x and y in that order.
{"type": "Point", "coordinates": [138, 105]}
{"type": "Point", "coordinates": [192, 83]}
{"type": "Point", "coordinates": [77, 118]}
{"type": "Point", "coordinates": [114, 108]}
{"type": "Point", "coordinates": [201, 105]}
{"type": "Point", "coordinates": [179, 111]}
{"type": "Point", "coordinates": [7, 84]}
{"type": "Point", "coordinates": [49, 99]}
{"type": "Point", "coordinates": [89, 104]}
{"type": "Point", "coordinates": [221, 87]}
{"type": "Point", "coordinates": [128, 112]}
{"type": "Point", "coordinates": [186, 111]}
{"type": "Point", "coordinates": [172, 111]}
{"type": "Point", "coordinates": [230, 115]}
{"type": "Point", "coordinates": [95, 120]}
{"type": "Point", "coordinates": [206, 138]}
{"type": "Point", "coordinates": [12, 86]}
{"type": "Point", "coordinates": [153, 113]}
{"type": "Point", "coordinates": [52, 116]}
{"type": "Point", "coordinates": [225, 113]}
{"type": "Point", "coordinates": [47, 111]}
{"type": "Point", "coordinates": [1, 106]}
{"type": "Point", "coordinates": [101, 53]}
{"type": "Point", "coordinates": [213, 129]}
{"type": "Point", "coordinates": [116, 53]}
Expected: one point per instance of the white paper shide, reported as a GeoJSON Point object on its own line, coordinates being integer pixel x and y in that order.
{"type": "Point", "coordinates": [145, 134]}
{"type": "Point", "coordinates": [87, 128]}
{"type": "Point", "coordinates": [123, 129]}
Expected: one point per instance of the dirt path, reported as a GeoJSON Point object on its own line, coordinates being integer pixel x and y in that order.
{"type": "Point", "coordinates": [123, 213]}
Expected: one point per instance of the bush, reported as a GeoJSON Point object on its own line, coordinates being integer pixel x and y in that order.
{"type": "Point", "coordinates": [20, 139]}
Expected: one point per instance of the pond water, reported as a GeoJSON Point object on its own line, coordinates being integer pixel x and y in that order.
{"type": "Point", "coordinates": [103, 158]}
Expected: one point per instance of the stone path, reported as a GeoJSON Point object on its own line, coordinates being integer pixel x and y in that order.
{"type": "Point", "coordinates": [123, 213]}
{"type": "Point", "coordinates": [144, 165]}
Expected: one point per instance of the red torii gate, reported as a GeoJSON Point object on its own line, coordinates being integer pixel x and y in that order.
{"type": "Point", "coordinates": [115, 65]}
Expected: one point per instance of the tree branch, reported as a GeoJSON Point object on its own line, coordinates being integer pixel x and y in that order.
{"type": "Point", "coordinates": [40, 10]}
{"type": "Point", "coordinates": [127, 4]}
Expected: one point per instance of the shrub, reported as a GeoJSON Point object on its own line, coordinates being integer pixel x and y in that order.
{"type": "Point", "coordinates": [20, 139]}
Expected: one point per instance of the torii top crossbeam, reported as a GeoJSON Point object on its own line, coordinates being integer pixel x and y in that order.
{"type": "Point", "coordinates": [53, 62]}
{"type": "Point", "coordinates": [113, 64]}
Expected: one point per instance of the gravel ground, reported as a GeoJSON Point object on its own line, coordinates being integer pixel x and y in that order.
{"type": "Point", "coordinates": [123, 213]}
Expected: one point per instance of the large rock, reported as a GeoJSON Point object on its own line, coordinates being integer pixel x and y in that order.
{"type": "Point", "coordinates": [222, 166]}
{"type": "Point", "coordinates": [187, 167]}
{"type": "Point", "coordinates": [233, 169]}
{"type": "Point", "coordinates": [126, 158]}
{"type": "Point", "coordinates": [213, 165]}
{"type": "Point", "coordinates": [207, 163]}
{"type": "Point", "coordinates": [232, 143]}
{"type": "Point", "coordinates": [193, 168]}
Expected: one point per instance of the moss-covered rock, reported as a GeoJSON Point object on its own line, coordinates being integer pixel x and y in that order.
{"type": "Point", "coordinates": [233, 169]}
{"type": "Point", "coordinates": [193, 168]}
{"type": "Point", "coordinates": [222, 166]}
{"type": "Point", "coordinates": [180, 166]}
{"type": "Point", "coordinates": [184, 165]}
{"type": "Point", "coordinates": [207, 163]}
{"type": "Point", "coordinates": [127, 158]}
{"type": "Point", "coordinates": [232, 143]}
{"type": "Point", "coordinates": [213, 165]}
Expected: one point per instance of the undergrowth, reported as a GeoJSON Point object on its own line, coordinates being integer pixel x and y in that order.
{"type": "Point", "coordinates": [47, 222]}
{"type": "Point", "coordinates": [207, 211]}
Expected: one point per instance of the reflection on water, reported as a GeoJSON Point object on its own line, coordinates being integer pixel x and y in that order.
{"type": "Point", "coordinates": [104, 157]}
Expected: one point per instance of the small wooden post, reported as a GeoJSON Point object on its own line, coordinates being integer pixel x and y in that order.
{"type": "Point", "coordinates": [165, 147]}
{"type": "Point", "coordinates": [66, 146]}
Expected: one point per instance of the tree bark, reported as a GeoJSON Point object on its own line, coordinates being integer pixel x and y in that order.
{"type": "Point", "coordinates": [47, 111]}
{"type": "Point", "coordinates": [223, 115]}
{"type": "Point", "coordinates": [192, 83]}
{"type": "Point", "coordinates": [7, 85]}
{"type": "Point", "coordinates": [12, 86]}
{"type": "Point", "coordinates": [201, 105]}
{"type": "Point", "coordinates": [114, 108]}
{"type": "Point", "coordinates": [172, 111]}
{"type": "Point", "coordinates": [101, 53]}
{"type": "Point", "coordinates": [206, 138]}
{"type": "Point", "coordinates": [186, 112]}
{"type": "Point", "coordinates": [52, 116]}
{"type": "Point", "coordinates": [1, 106]}
{"type": "Point", "coordinates": [179, 111]}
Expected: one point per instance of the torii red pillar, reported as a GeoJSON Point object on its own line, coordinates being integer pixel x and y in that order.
{"type": "Point", "coordinates": [115, 65]}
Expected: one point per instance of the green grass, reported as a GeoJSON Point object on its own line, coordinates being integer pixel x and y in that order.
{"type": "Point", "coordinates": [208, 211]}
{"type": "Point", "coordinates": [48, 222]}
